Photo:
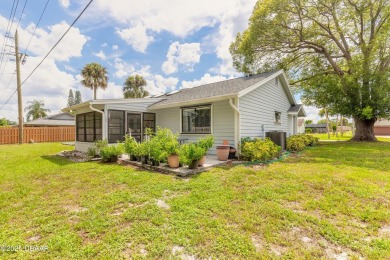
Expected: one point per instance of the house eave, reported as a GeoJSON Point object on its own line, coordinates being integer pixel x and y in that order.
{"type": "Point", "coordinates": [193, 102]}
{"type": "Point", "coordinates": [109, 102]}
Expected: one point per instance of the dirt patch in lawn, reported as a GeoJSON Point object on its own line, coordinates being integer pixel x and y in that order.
{"type": "Point", "coordinates": [74, 156]}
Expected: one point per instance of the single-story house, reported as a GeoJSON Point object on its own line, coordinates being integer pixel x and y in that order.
{"type": "Point", "coordinates": [61, 119]}
{"type": "Point", "coordinates": [317, 128]}
{"type": "Point", "coordinates": [301, 126]}
{"type": "Point", "coordinates": [382, 127]}
{"type": "Point", "coordinates": [230, 110]}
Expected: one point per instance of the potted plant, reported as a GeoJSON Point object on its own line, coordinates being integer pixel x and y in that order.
{"type": "Point", "coordinates": [190, 154]}
{"type": "Point", "coordinates": [144, 151]}
{"type": "Point", "coordinates": [169, 146]}
{"type": "Point", "coordinates": [130, 147]}
{"type": "Point", "coordinates": [111, 153]}
{"type": "Point", "coordinates": [205, 143]}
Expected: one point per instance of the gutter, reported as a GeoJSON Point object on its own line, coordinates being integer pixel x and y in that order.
{"type": "Point", "coordinates": [237, 127]}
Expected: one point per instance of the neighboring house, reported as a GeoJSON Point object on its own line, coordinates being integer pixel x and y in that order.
{"type": "Point", "coordinates": [317, 128]}
{"type": "Point", "coordinates": [301, 126]}
{"type": "Point", "coordinates": [230, 110]}
{"type": "Point", "coordinates": [61, 119]}
{"type": "Point", "coordinates": [382, 127]}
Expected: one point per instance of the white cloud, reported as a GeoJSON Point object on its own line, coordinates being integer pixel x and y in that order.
{"type": "Point", "coordinates": [206, 79]}
{"type": "Point", "coordinates": [123, 69]}
{"type": "Point", "coordinates": [156, 84]}
{"type": "Point", "coordinates": [100, 55]}
{"type": "Point", "coordinates": [70, 46]}
{"type": "Point", "coordinates": [136, 36]}
{"type": "Point", "coordinates": [186, 54]}
{"type": "Point", "coordinates": [312, 113]}
{"type": "Point", "coordinates": [115, 47]}
{"type": "Point", "coordinates": [180, 18]}
{"type": "Point", "coordinates": [48, 83]}
{"type": "Point", "coordinates": [104, 45]}
{"type": "Point", "coordinates": [233, 21]}
{"type": "Point", "coordinates": [65, 3]}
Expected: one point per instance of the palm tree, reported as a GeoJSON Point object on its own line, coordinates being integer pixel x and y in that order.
{"type": "Point", "coordinates": [36, 110]}
{"type": "Point", "coordinates": [95, 76]}
{"type": "Point", "coordinates": [133, 87]}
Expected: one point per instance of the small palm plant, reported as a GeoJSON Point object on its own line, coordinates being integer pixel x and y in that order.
{"type": "Point", "coordinates": [36, 110]}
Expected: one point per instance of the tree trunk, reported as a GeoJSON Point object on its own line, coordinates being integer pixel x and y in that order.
{"type": "Point", "coordinates": [94, 92]}
{"type": "Point", "coordinates": [364, 130]}
{"type": "Point", "coordinates": [327, 122]}
{"type": "Point", "coordinates": [341, 126]}
{"type": "Point", "coordinates": [337, 126]}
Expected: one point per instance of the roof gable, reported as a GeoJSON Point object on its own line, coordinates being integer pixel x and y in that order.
{"type": "Point", "coordinates": [226, 88]}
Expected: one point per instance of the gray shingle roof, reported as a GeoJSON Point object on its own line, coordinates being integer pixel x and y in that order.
{"type": "Point", "coordinates": [222, 88]}
{"type": "Point", "coordinates": [295, 108]}
{"type": "Point", "coordinates": [61, 119]}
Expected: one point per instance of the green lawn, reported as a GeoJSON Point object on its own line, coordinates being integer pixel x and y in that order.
{"type": "Point", "coordinates": [329, 201]}
{"type": "Point", "coordinates": [324, 136]}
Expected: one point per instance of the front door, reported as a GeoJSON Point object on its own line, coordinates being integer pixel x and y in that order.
{"type": "Point", "coordinates": [134, 128]}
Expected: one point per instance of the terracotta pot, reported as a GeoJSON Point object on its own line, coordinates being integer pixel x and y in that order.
{"type": "Point", "coordinates": [201, 161]}
{"type": "Point", "coordinates": [225, 142]}
{"type": "Point", "coordinates": [223, 152]}
{"type": "Point", "coordinates": [173, 161]}
{"type": "Point", "coordinates": [194, 165]}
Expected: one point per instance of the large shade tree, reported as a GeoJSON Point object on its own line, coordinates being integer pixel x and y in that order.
{"type": "Point", "coordinates": [134, 87]}
{"type": "Point", "coordinates": [94, 77]}
{"type": "Point", "coordinates": [36, 109]}
{"type": "Point", "coordinates": [341, 47]}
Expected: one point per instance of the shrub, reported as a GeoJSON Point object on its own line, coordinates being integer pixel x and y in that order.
{"type": "Point", "coordinates": [297, 143]}
{"type": "Point", "coordinates": [308, 130]}
{"type": "Point", "coordinates": [110, 151]}
{"type": "Point", "coordinates": [94, 150]}
{"type": "Point", "coordinates": [190, 152]}
{"type": "Point", "coordinates": [206, 142]}
{"type": "Point", "coordinates": [259, 150]}
{"type": "Point", "coordinates": [167, 141]}
{"type": "Point", "coordinates": [130, 145]}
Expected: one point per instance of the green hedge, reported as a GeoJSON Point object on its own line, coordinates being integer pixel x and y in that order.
{"type": "Point", "coordinates": [297, 143]}
{"type": "Point", "coordinates": [259, 150]}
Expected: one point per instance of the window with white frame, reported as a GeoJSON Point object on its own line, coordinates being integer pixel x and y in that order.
{"type": "Point", "coordinates": [196, 120]}
{"type": "Point", "coordinates": [278, 117]}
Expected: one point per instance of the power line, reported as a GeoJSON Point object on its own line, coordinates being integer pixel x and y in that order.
{"type": "Point", "coordinates": [55, 45]}
{"type": "Point", "coordinates": [9, 32]}
{"type": "Point", "coordinates": [70, 26]}
{"type": "Point", "coordinates": [6, 33]}
{"type": "Point", "coordinates": [36, 26]}
{"type": "Point", "coordinates": [21, 15]}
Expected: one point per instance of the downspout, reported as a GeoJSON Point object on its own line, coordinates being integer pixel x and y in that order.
{"type": "Point", "coordinates": [103, 119]}
{"type": "Point", "coordinates": [237, 126]}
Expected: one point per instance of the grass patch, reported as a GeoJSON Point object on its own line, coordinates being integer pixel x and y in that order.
{"type": "Point", "coordinates": [328, 200]}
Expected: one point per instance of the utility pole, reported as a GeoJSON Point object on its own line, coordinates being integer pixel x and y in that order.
{"type": "Point", "coordinates": [19, 88]}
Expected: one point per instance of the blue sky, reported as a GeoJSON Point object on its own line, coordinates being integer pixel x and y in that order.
{"type": "Point", "coordinates": [173, 44]}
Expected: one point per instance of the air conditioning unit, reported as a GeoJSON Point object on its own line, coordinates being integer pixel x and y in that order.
{"type": "Point", "coordinates": [278, 138]}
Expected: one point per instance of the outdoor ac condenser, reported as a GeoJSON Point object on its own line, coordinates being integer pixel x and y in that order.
{"type": "Point", "coordinates": [278, 138]}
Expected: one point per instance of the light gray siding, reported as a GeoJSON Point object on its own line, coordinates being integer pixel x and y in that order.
{"type": "Point", "coordinates": [222, 123]}
{"type": "Point", "coordinates": [258, 107]}
{"type": "Point", "coordinates": [82, 146]}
